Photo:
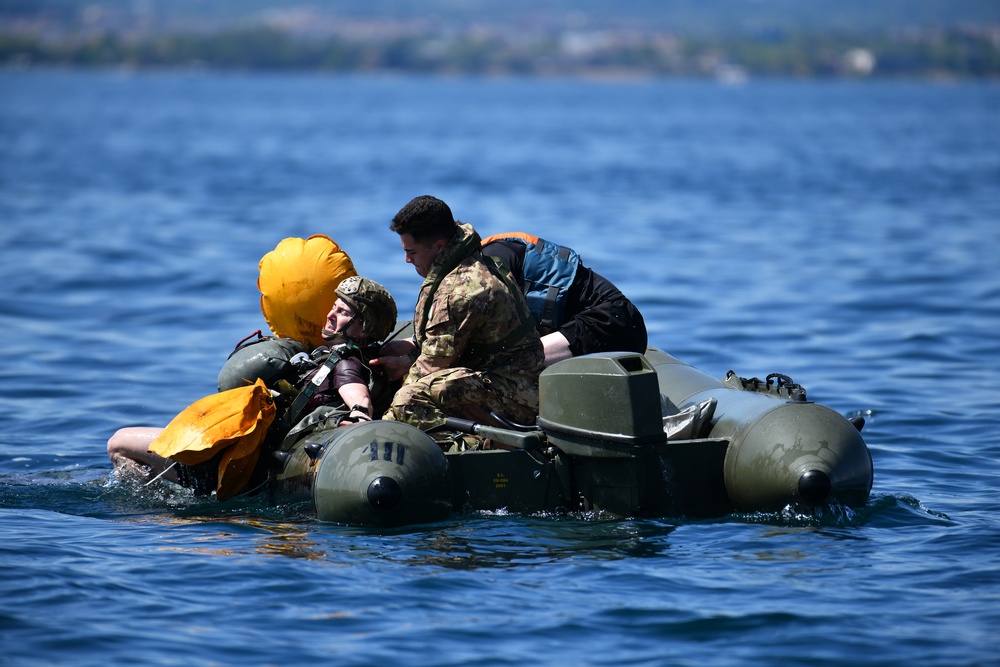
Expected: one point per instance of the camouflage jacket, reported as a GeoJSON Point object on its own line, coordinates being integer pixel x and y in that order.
{"type": "Point", "coordinates": [468, 316]}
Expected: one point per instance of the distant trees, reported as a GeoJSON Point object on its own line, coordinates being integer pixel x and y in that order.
{"type": "Point", "coordinates": [956, 52]}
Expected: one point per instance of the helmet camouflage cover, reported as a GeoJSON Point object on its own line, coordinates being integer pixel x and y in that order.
{"type": "Point", "coordinates": [372, 302]}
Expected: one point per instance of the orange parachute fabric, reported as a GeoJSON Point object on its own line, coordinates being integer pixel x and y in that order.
{"type": "Point", "coordinates": [233, 422]}
{"type": "Point", "coordinates": [297, 284]}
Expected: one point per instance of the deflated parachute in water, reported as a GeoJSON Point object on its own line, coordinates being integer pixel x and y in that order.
{"type": "Point", "coordinates": [233, 422]}
{"type": "Point", "coordinates": [297, 283]}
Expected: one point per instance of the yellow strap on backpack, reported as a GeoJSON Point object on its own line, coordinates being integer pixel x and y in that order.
{"type": "Point", "coordinates": [297, 283]}
{"type": "Point", "coordinates": [234, 422]}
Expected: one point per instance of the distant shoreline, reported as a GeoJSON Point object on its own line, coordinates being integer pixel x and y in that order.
{"type": "Point", "coordinates": [944, 55]}
{"type": "Point", "coordinates": [126, 71]}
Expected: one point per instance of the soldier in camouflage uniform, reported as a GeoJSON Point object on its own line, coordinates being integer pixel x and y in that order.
{"type": "Point", "coordinates": [475, 347]}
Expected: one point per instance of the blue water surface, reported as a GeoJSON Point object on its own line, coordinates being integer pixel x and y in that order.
{"type": "Point", "coordinates": [845, 234]}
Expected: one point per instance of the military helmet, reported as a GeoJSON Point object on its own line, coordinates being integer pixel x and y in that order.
{"type": "Point", "coordinates": [373, 304]}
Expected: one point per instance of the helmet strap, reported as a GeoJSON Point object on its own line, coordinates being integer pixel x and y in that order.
{"type": "Point", "coordinates": [342, 332]}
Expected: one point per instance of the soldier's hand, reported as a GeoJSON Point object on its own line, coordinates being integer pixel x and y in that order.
{"type": "Point", "coordinates": [395, 366]}
{"type": "Point", "coordinates": [396, 357]}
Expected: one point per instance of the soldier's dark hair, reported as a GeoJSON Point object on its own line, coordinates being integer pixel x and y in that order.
{"type": "Point", "coordinates": [426, 219]}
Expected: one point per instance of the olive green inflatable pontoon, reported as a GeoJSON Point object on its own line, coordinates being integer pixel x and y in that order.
{"type": "Point", "coordinates": [600, 445]}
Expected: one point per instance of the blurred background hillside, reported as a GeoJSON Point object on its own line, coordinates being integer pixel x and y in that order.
{"type": "Point", "coordinates": [727, 39]}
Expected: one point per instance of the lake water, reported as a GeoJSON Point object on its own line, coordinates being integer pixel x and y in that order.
{"type": "Point", "coordinates": [845, 234]}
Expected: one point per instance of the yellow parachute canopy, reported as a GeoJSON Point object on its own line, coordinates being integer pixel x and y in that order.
{"type": "Point", "coordinates": [234, 422]}
{"type": "Point", "coordinates": [297, 284]}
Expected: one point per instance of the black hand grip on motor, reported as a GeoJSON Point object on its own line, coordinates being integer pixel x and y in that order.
{"type": "Point", "coordinates": [517, 439]}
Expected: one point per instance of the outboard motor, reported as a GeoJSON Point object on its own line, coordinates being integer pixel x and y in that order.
{"type": "Point", "coordinates": [603, 412]}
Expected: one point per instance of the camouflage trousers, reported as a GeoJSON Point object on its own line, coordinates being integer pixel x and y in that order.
{"type": "Point", "coordinates": [466, 394]}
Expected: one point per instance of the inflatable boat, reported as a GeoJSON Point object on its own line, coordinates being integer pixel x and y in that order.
{"type": "Point", "coordinates": [601, 444]}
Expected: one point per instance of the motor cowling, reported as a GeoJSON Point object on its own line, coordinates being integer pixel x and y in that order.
{"type": "Point", "coordinates": [602, 412]}
{"type": "Point", "coordinates": [602, 405]}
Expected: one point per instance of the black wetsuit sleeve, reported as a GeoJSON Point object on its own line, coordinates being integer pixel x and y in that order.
{"type": "Point", "coordinates": [599, 318]}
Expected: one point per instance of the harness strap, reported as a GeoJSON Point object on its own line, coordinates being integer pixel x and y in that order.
{"type": "Point", "coordinates": [418, 332]}
{"type": "Point", "coordinates": [299, 404]}
{"type": "Point", "coordinates": [447, 267]}
{"type": "Point", "coordinates": [552, 292]}
{"type": "Point", "coordinates": [500, 270]}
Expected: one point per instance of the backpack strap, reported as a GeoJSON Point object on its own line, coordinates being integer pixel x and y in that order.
{"type": "Point", "coordinates": [502, 273]}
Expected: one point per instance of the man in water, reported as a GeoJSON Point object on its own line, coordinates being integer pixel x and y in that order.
{"type": "Point", "coordinates": [362, 316]}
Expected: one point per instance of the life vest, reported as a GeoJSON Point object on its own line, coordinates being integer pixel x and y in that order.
{"type": "Point", "coordinates": [549, 270]}
{"type": "Point", "coordinates": [297, 284]}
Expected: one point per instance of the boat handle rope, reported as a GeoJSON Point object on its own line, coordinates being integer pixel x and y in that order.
{"type": "Point", "coordinates": [775, 383]}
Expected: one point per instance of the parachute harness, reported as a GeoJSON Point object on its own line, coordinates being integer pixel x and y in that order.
{"type": "Point", "coordinates": [161, 474]}
{"type": "Point", "coordinates": [337, 353]}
